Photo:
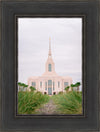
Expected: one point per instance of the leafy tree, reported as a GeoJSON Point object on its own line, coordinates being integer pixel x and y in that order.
{"type": "Point", "coordinates": [22, 86]}
{"type": "Point", "coordinates": [67, 88]}
{"type": "Point", "coordinates": [25, 86]}
{"type": "Point", "coordinates": [32, 88]}
{"type": "Point", "coordinates": [72, 85]}
{"type": "Point", "coordinates": [77, 85]}
{"type": "Point", "coordinates": [19, 85]}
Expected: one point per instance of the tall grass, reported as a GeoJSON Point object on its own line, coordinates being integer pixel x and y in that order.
{"type": "Point", "coordinates": [29, 101]}
{"type": "Point", "coordinates": [70, 103]}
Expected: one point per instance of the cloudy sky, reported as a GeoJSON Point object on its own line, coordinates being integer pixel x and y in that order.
{"type": "Point", "coordinates": [33, 44]}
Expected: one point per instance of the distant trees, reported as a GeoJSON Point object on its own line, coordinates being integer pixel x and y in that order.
{"type": "Point", "coordinates": [22, 86]}
{"type": "Point", "coordinates": [32, 88]}
{"type": "Point", "coordinates": [67, 88]}
{"type": "Point", "coordinates": [77, 85]}
{"type": "Point", "coordinates": [74, 87]}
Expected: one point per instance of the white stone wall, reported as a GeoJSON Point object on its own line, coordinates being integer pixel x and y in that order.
{"type": "Point", "coordinates": [55, 79]}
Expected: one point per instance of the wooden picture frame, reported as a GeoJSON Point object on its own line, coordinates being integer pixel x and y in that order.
{"type": "Point", "coordinates": [86, 9]}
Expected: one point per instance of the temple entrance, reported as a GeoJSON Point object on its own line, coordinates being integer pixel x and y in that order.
{"type": "Point", "coordinates": [49, 87]}
{"type": "Point", "coordinates": [49, 91]}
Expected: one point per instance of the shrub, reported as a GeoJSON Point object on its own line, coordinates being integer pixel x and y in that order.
{"type": "Point", "coordinates": [60, 92]}
{"type": "Point", "coordinates": [67, 88]}
{"type": "Point", "coordinates": [70, 103]}
{"type": "Point", "coordinates": [29, 101]}
{"type": "Point", "coordinates": [32, 88]}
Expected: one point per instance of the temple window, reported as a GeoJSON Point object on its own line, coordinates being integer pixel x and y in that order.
{"type": "Point", "coordinates": [45, 85]}
{"type": "Point", "coordinates": [33, 84]}
{"type": "Point", "coordinates": [65, 84]}
{"type": "Point", "coordinates": [49, 82]}
{"type": "Point", "coordinates": [40, 84]}
{"type": "Point", "coordinates": [58, 84]}
{"type": "Point", "coordinates": [49, 68]}
{"type": "Point", "coordinates": [53, 85]}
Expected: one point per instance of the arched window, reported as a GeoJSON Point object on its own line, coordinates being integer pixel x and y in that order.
{"type": "Point", "coordinates": [49, 68]}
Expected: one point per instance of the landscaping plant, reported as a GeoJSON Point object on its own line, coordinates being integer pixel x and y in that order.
{"type": "Point", "coordinates": [69, 103]}
{"type": "Point", "coordinates": [29, 101]}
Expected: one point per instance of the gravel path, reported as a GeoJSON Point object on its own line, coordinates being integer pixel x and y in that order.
{"type": "Point", "coordinates": [48, 108]}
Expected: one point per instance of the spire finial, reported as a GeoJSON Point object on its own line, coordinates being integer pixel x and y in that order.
{"type": "Point", "coordinates": [49, 46]}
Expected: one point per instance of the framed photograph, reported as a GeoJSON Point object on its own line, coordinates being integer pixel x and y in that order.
{"type": "Point", "coordinates": [53, 93]}
{"type": "Point", "coordinates": [49, 70]}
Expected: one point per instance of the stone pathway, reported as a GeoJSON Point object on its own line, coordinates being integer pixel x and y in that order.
{"type": "Point", "coordinates": [48, 108]}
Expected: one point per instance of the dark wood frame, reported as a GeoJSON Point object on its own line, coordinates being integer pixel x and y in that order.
{"type": "Point", "coordinates": [86, 8]}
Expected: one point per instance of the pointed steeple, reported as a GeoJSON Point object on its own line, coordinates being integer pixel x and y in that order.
{"type": "Point", "coordinates": [50, 65]}
{"type": "Point", "coordinates": [49, 47]}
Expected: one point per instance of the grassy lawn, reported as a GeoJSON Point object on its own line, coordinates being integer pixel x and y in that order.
{"type": "Point", "coordinates": [69, 103]}
{"type": "Point", "coordinates": [29, 101]}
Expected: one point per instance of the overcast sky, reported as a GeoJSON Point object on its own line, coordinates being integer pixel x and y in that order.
{"type": "Point", "coordinates": [33, 44]}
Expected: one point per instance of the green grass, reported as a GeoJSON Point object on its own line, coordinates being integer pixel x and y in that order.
{"type": "Point", "coordinates": [70, 103]}
{"type": "Point", "coordinates": [67, 103]}
{"type": "Point", "coordinates": [28, 102]}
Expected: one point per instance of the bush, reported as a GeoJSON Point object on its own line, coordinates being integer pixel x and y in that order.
{"type": "Point", "coordinates": [70, 103]}
{"type": "Point", "coordinates": [32, 88]}
{"type": "Point", "coordinates": [38, 92]}
{"type": "Point", "coordinates": [60, 92]}
{"type": "Point", "coordinates": [29, 101]}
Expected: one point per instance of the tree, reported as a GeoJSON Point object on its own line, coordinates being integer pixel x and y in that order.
{"type": "Point", "coordinates": [72, 85]}
{"type": "Point", "coordinates": [32, 88]}
{"type": "Point", "coordinates": [77, 85]}
{"type": "Point", "coordinates": [22, 86]}
{"type": "Point", "coordinates": [19, 83]}
{"type": "Point", "coordinates": [25, 87]}
{"type": "Point", "coordinates": [67, 88]}
{"type": "Point", "coordinates": [19, 86]}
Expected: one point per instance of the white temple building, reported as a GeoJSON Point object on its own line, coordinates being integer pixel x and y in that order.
{"type": "Point", "coordinates": [50, 82]}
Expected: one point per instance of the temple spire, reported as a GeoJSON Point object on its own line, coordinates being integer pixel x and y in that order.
{"type": "Point", "coordinates": [49, 47]}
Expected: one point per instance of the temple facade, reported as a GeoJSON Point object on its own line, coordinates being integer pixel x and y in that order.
{"type": "Point", "coordinates": [49, 82]}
